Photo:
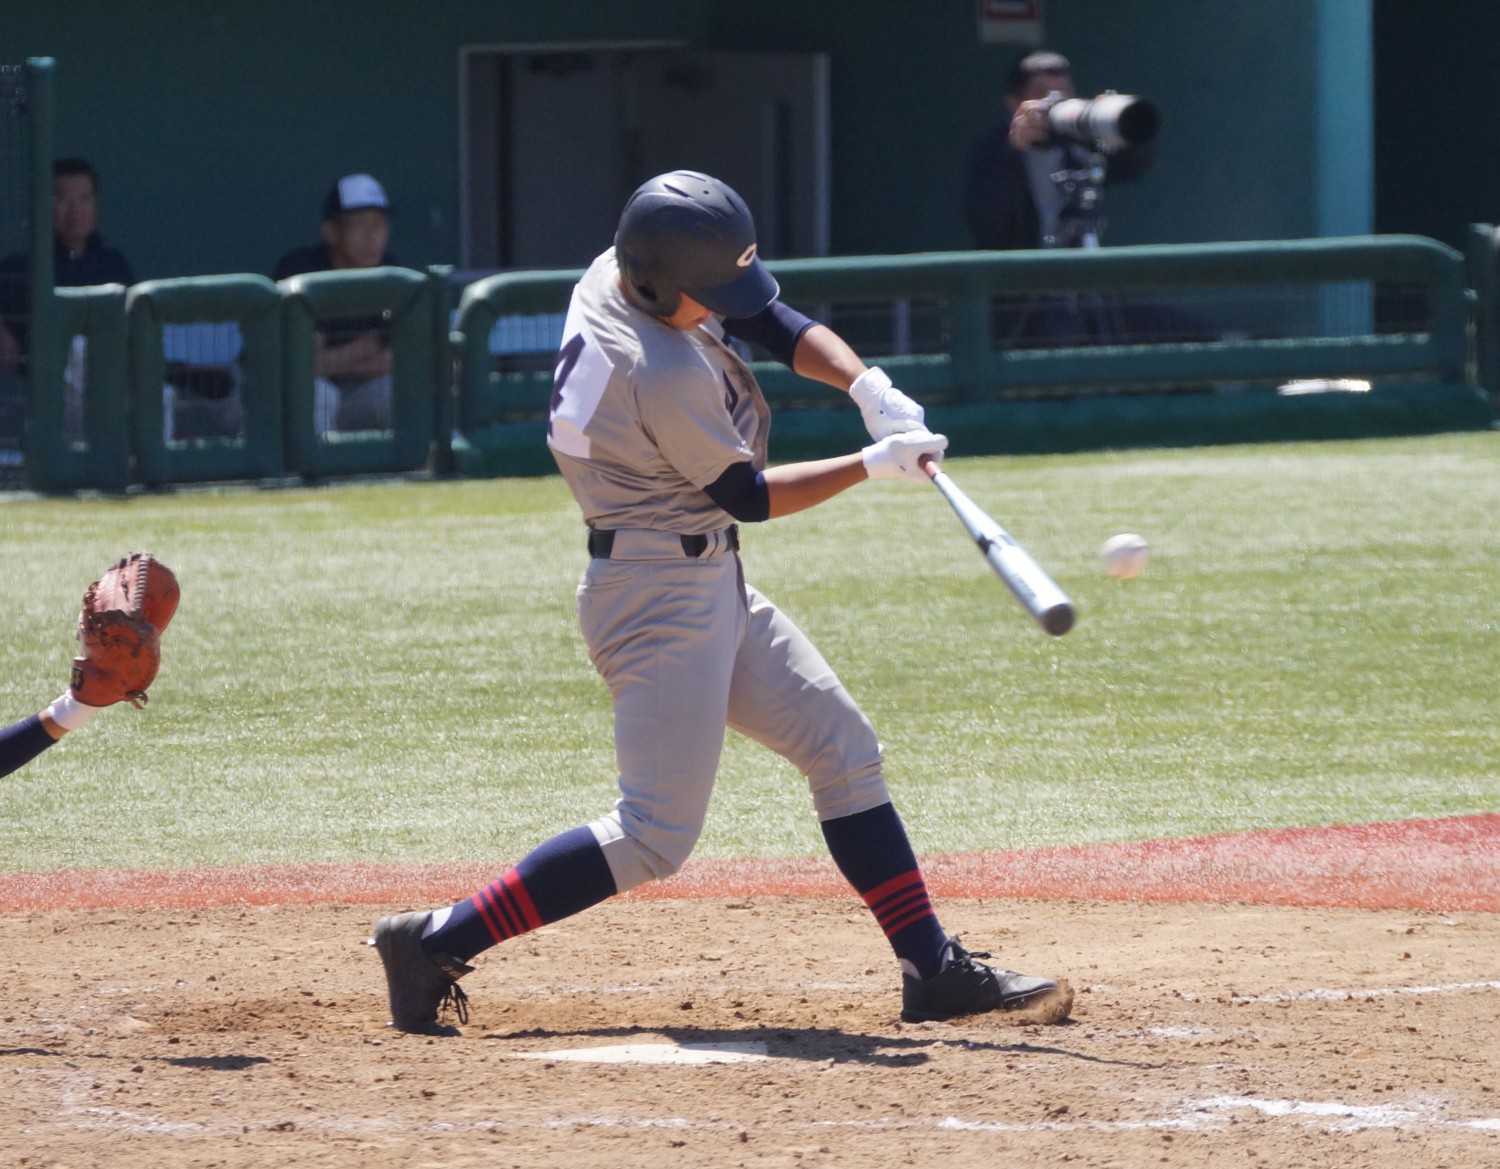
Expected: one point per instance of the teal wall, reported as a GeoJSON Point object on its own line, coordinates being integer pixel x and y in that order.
{"type": "Point", "coordinates": [218, 125]}
{"type": "Point", "coordinates": [1236, 83]}
{"type": "Point", "coordinates": [913, 88]}
{"type": "Point", "coordinates": [1437, 116]}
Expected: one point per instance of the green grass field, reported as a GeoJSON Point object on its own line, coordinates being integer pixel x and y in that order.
{"type": "Point", "coordinates": [392, 671]}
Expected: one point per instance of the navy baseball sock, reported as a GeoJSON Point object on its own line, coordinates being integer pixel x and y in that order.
{"type": "Point", "coordinates": [22, 742]}
{"type": "Point", "coordinates": [557, 879]}
{"type": "Point", "coordinates": [872, 851]}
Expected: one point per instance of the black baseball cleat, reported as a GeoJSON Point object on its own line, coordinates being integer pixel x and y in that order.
{"type": "Point", "coordinates": [421, 985]}
{"type": "Point", "coordinates": [967, 987]}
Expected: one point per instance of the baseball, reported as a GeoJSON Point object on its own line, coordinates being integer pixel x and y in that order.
{"type": "Point", "coordinates": [1124, 556]}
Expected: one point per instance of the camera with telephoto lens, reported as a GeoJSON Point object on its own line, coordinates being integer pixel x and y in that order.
{"type": "Point", "coordinates": [1107, 123]}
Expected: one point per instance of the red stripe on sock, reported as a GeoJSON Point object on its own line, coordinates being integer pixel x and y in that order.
{"type": "Point", "coordinates": [916, 901]}
{"type": "Point", "coordinates": [501, 908]}
{"type": "Point", "coordinates": [520, 901]}
{"type": "Point", "coordinates": [480, 902]}
{"type": "Point", "coordinates": [895, 887]}
{"type": "Point", "coordinates": [893, 926]}
{"type": "Point", "coordinates": [899, 902]}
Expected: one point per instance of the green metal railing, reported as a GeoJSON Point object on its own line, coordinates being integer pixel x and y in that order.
{"type": "Point", "coordinates": [975, 370]}
{"type": "Point", "coordinates": [1421, 375]}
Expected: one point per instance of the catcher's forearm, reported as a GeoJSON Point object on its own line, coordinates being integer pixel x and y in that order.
{"type": "Point", "coordinates": [22, 742]}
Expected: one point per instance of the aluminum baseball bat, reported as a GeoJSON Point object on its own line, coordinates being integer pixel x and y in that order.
{"type": "Point", "coordinates": [1024, 577]}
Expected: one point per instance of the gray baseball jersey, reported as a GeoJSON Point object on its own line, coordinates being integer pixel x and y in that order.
{"type": "Point", "coordinates": [643, 417]}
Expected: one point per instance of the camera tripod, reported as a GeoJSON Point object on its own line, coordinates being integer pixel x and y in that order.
{"type": "Point", "coordinates": [1080, 225]}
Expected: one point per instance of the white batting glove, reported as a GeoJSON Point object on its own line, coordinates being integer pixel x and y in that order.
{"type": "Point", "coordinates": [896, 456]}
{"type": "Point", "coordinates": [885, 409]}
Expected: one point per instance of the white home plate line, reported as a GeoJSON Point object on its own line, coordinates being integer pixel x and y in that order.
{"type": "Point", "coordinates": [662, 1053]}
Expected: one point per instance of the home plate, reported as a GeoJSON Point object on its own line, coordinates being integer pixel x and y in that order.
{"type": "Point", "coordinates": [684, 1053]}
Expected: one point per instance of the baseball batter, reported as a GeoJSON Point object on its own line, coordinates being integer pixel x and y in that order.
{"type": "Point", "coordinates": [660, 431]}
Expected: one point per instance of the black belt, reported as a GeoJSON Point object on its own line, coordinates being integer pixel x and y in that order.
{"type": "Point", "coordinates": [602, 542]}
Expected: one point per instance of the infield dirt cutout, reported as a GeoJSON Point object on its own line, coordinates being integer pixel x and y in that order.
{"type": "Point", "coordinates": [220, 1029]}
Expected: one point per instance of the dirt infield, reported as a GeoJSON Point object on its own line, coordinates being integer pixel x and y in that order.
{"type": "Point", "coordinates": [1205, 1032]}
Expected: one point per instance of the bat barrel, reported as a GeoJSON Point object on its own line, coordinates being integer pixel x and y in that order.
{"type": "Point", "coordinates": [1027, 581]}
{"type": "Point", "coordinates": [1058, 619]}
{"type": "Point", "coordinates": [1039, 595]}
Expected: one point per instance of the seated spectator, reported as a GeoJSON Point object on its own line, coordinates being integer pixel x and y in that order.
{"type": "Point", "coordinates": [352, 357]}
{"type": "Point", "coordinates": [79, 257]}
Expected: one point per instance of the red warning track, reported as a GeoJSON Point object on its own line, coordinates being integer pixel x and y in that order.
{"type": "Point", "coordinates": [1447, 865]}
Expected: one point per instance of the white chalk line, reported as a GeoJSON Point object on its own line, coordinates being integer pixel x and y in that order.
{"type": "Point", "coordinates": [1208, 1114]}
{"type": "Point", "coordinates": [1323, 995]}
{"type": "Point", "coordinates": [1350, 1116]}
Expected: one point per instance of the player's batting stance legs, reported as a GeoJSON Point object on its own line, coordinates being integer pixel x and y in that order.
{"type": "Point", "coordinates": [757, 671]}
{"type": "Point", "coordinates": [660, 431]}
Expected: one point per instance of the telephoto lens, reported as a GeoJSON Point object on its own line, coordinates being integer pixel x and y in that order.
{"type": "Point", "coordinates": [1106, 123]}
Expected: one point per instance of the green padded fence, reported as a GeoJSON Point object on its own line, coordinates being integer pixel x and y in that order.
{"type": "Point", "coordinates": [405, 298]}
{"type": "Point", "coordinates": [55, 460]}
{"type": "Point", "coordinates": [444, 401]}
{"type": "Point", "coordinates": [494, 401]}
{"type": "Point", "coordinates": [251, 302]}
{"type": "Point", "coordinates": [502, 421]}
{"type": "Point", "coordinates": [47, 467]}
{"type": "Point", "coordinates": [1482, 248]}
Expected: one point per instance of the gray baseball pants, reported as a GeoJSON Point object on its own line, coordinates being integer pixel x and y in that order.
{"type": "Point", "coordinates": [687, 648]}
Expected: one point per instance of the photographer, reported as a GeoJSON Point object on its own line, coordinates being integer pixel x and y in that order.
{"type": "Point", "coordinates": [1012, 200]}
{"type": "Point", "coordinates": [1035, 182]}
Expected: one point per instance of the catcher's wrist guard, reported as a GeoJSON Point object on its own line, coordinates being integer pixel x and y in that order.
{"type": "Point", "coordinates": [68, 713]}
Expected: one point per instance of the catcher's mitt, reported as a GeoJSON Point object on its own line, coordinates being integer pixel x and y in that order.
{"type": "Point", "coordinates": [124, 613]}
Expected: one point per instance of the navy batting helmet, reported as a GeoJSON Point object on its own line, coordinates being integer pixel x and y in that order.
{"type": "Point", "coordinates": [685, 232]}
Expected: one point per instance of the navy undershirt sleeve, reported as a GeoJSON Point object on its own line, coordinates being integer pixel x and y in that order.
{"type": "Point", "coordinates": [742, 492]}
{"type": "Point", "coordinates": [776, 328]}
{"type": "Point", "coordinates": [22, 742]}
